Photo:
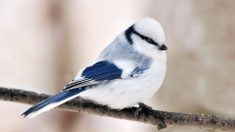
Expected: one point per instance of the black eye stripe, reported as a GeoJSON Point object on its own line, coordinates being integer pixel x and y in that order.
{"type": "Point", "coordinates": [147, 39]}
{"type": "Point", "coordinates": [131, 31]}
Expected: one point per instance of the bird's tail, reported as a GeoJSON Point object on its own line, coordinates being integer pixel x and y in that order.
{"type": "Point", "coordinates": [52, 102]}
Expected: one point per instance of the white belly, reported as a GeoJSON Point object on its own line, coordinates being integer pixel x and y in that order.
{"type": "Point", "coordinates": [127, 92]}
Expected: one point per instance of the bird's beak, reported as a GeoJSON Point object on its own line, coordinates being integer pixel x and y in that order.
{"type": "Point", "coordinates": [163, 47]}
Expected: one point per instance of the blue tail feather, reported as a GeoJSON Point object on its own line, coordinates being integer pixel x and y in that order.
{"type": "Point", "coordinates": [54, 99]}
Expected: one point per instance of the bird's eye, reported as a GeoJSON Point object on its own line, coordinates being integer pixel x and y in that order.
{"type": "Point", "coordinates": [149, 40]}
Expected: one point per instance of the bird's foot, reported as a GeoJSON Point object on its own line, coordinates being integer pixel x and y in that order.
{"type": "Point", "coordinates": [140, 107]}
{"type": "Point", "coordinates": [141, 110]}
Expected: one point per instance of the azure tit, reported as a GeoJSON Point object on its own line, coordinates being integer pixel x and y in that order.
{"type": "Point", "coordinates": [128, 71]}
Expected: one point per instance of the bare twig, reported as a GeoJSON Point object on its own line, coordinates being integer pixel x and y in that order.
{"type": "Point", "coordinates": [146, 114]}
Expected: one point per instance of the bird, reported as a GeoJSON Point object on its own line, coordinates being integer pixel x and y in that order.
{"type": "Point", "coordinates": [128, 71]}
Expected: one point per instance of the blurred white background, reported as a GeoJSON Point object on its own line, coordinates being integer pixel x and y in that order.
{"type": "Point", "coordinates": [43, 43]}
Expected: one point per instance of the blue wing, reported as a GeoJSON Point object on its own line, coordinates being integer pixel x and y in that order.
{"type": "Point", "coordinates": [100, 72]}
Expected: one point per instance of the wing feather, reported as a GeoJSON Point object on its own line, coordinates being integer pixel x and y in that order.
{"type": "Point", "coordinates": [100, 72]}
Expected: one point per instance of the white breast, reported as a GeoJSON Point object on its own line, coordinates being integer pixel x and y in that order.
{"type": "Point", "coordinates": [123, 93]}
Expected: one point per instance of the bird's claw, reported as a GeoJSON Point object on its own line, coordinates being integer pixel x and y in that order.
{"type": "Point", "coordinates": [140, 107]}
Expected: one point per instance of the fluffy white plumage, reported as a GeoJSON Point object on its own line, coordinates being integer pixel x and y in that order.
{"type": "Point", "coordinates": [127, 93]}
{"type": "Point", "coordinates": [130, 70]}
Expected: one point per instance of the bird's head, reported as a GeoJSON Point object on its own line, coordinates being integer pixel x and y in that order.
{"type": "Point", "coordinates": [147, 37]}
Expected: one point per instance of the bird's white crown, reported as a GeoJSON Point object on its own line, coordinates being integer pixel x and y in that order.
{"type": "Point", "coordinates": [151, 28]}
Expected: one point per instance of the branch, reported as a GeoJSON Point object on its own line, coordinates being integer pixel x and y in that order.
{"type": "Point", "coordinates": [146, 114]}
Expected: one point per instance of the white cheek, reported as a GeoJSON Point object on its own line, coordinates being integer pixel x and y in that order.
{"type": "Point", "coordinates": [145, 48]}
{"type": "Point", "coordinates": [149, 50]}
{"type": "Point", "coordinates": [126, 66]}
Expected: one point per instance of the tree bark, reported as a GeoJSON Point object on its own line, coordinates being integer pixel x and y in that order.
{"type": "Point", "coordinates": [144, 113]}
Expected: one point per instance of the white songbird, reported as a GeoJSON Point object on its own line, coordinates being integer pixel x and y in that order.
{"type": "Point", "coordinates": [129, 70]}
